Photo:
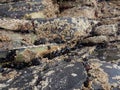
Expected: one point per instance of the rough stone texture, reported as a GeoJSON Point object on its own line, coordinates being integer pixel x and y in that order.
{"type": "Point", "coordinates": [63, 76]}
{"type": "Point", "coordinates": [68, 29]}
{"type": "Point", "coordinates": [91, 8]}
{"type": "Point", "coordinates": [70, 76]}
{"type": "Point", "coordinates": [85, 39]}
{"type": "Point", "coordinates": [29, 9]}
{"type": "Point", "coordinates": [105, 75]}
{"type": "Point", "coordinates": [106, 30]}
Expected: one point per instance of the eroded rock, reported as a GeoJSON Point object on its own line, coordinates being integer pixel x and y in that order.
{"type": "Point", "coordinates": [105, 75]}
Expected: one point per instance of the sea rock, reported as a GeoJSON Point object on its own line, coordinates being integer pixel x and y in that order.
{"type": "Point", "coordinates": [95, 40]}
{"type": "Point", "coordinates": [64, 76]}
{"type": "Point", "coordinates": [105, 75]}
{"type": "Point", "coordinates": [28, 9]}
{"type": "Point", "coordinates": [106, 30]}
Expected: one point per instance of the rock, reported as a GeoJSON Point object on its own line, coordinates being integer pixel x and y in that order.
{"type": "Point", "coordinates": [95, 40]}
{"type": "Point", "coordinates": [79, 12]}
{"type": "Point", "coordinates": [24, 79]}
{"type": "Point", "coordinates": [109, 54]}
{"type": "Point", "coordinates": [69, 29]}
{"type": "Point", "coordinates": [15, 24]}
{"type": "Point", "coordinates": [7, 1]}
{"type": "Point", "coordinates": [63, 76]}
{"type": "Point", "coordinates": [29, 9]}
{"type": "Point", "coordinates": [26, 55]}
{"type": "Point", "coordinates": [105, 75]}
{"type": "Point", "coordinates": [106, 30]}
{"type": "Point", "coordinates": [93, 9]}
{"type": "Point", "coordinates": [79, 45]}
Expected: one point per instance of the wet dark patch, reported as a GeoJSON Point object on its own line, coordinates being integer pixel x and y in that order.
{"type": "Point", "coordinates": [10, 56]}
{"type": "Point", "coordinates": [57, 53]}
{"type": "Point", "coordinates": [40, 41]}
{"type": "Point", "coordinates": [2, 60]}
{"type": "Point", "coordinates": [68, 59]}
{"type": "Point", "coordinates": [103, 45]}
{"type": "Point", "coordinates": [38, 80]}
{"type": "Point", "coordinates": [66, 77]}
{"type": "Point", "coordinates": [57, 40]}
{"type": "Point", "coordinates": [86, 83]}
{"type": "Point", "coordinates": [15, 65]}
{"type": "Point", "coordinates": [113, 72]}
{"type": "Point", "coordinates": [36, 61]}
{"type": "Point", "coordinates": [1, 70]}
{"type": "Point", "coordinates": [48, 47]}
{"type": "Point", "coordinates": [21, 65]}
{"type": "Point", "coordinates": [107, 54]}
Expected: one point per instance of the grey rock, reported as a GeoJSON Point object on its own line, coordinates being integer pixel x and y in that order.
{"type": "Point", "coordinates": [65, 77]}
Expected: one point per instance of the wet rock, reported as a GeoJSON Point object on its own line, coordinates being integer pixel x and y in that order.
{"type": "Point", "coordinates": [40, 41]}
{"type": "Point", "coordinates": [65, 76]}
{"type": "Point", "coordinates": [109, 54]}
{"type": "Point", "coordinates": [25, 79]}
{"type": "Point", "coordinates": [57, 40]}
{"type": "Point", "coordinates": [26, 54]}
{"type": "Point", "coordinates": [68, 29]}
{"type": "Point", "coordinates": [82, 55]}
{"type": "Point", "coordinates": [29, 9]}
{"type": "Point", "coordinates": [106, 75]}
{"type": "Point", "coordinates": [10, 40]}
{"type": "Point", "coordinates": [7, 1]}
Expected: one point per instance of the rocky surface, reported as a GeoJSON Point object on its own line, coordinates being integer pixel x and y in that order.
{"type": "Point", "coordinates": [59, 45]}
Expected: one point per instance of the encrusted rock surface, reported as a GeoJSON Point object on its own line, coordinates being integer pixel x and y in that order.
{"type": "Point", "coordinates": [59, 45]}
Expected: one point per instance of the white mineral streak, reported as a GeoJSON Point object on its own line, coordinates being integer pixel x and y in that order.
{"type": "Point", "coordinates": [116, 77]}
{"type": "Point", "coordinates": [49, 73]}
{"type": "Point", "coordinates": [74, 74]}
{"type": "Point", "coordinates": [108, 67]}
{"type": "Point", "coordinates": [3, 85]}
{"type": "Point", "coordinates": [13, 88]}
{"type": "Point", "coordinates": [34, 80]}
{"type": "Point", "coordinates": [116, 66]}
{"type": "Point", "coordinates": [70, 65]}
{"type": "Point", "coordinates": [44, 83]}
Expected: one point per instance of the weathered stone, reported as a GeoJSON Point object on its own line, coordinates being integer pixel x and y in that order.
{"type": "Point", "coordinates": [105, 75]}
{"type": "Point", "coordinates": [27, 54]}
{"type": "Point", "coordinates": [106, 30]}
{"type": "Point", "coordinates": [69, 29]}
{"type": "Point", "coordinates": [10, 40]}
{"type": "Point", "coordinates": [64, 77]}
{"type": "Point", "coordinates": [7, 1]}
{"type": "Point", "coordinates": [29, 9]}
{"type": "Point", "coordinates": [95, 40]}
{"type": "Point", "coordinates": [15, 24]}
{"type": "Point", "coordinates": [80, 51]}
{"type": "Point", "coordinates": [110, 54]}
